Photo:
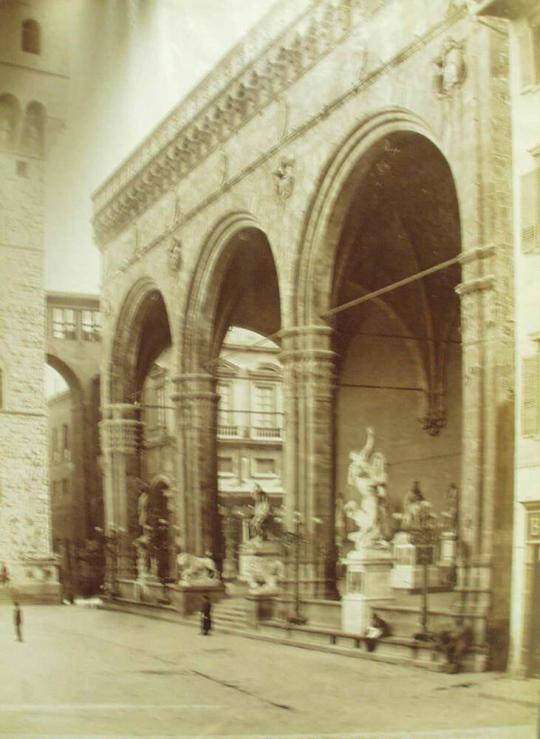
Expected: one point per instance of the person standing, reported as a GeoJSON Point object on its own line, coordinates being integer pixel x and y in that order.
{"type": "Point", "coordinates": [17, 619]}
{"type": "Point", "coordinates": [206, 616]}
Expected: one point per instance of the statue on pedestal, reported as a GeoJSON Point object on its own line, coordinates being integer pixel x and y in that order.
{"type": "Point", "coordinates": [451, 514]}
{"type": "Point", "coordinates": [197, 570]}
{"type": "Point", "coordinates": [142, 506]}
{"type": "Point", "coordinates": [260, 522]}
{"type": "Point", "coordinates": [367, 475]}
{"type": "Point", "coordinates": [412, 503]}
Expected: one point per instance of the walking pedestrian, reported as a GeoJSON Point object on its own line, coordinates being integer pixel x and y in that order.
{"type": "Point", "coordinates": [17, 619]}
{"type": "Point", "coordinates": [4, 574]}
{"type": "Point", "coordinates": [206, 616]}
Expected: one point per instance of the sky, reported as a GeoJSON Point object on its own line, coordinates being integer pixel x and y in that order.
{"type": "Point", "coordinates": [131, 62]}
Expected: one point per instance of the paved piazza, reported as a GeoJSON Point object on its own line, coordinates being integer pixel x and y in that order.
{"type": "Point", "coordinates": [82, 671]}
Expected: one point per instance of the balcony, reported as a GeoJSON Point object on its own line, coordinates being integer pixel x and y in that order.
{"type": "Point", "coordinates": [265, 432]}
{"type": "Point", "coordinates": [228, 431]}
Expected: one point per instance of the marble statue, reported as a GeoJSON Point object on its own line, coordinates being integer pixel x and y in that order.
{"type": "Point", "coordinates": [142, 506]}
{"type": "Point", "coordinates": [367, 476]}
{"type": "Point", "coordinates": [412, 503]}
{"type": "Point", "coordinates": [261, 519]}
{"type": "Point", "coordinates": [451, 514]}
{"type": "Point", "coordinates": [264, 575]}
{"type": "Point", "coordinates": [195, 570]}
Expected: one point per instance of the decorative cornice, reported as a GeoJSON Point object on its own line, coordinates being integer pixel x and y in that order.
{"type": "Point", "coordinates": [204, 120]}
{"type": "Point", "coordinates": [117, 186]}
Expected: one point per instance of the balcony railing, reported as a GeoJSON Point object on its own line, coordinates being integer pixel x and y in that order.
{"type": "Point", "coordinates": [265, 432]}
{"type": "Point", "coordinates": [228, 431]}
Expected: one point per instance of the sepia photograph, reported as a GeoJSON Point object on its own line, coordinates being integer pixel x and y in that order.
{"type": "Point", "coordinates": [270, 368]}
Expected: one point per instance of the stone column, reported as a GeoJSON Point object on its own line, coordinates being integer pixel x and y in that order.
{"type": "Point", "coordinates": [119, 441]}
{"type": "Point", "coordinates": [196, 410]}
{"type": "Point", "coordinates": [486, 496]}
{"type": "Point", "coordinates": [309, 440]}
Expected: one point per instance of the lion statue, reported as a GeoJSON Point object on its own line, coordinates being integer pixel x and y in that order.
{"type": "Point", "coordinates": [264, 576]}
{"type": "Point", "coordinates": [194, 569]}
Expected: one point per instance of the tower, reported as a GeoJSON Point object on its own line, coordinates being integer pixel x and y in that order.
{"type": "Point", "coordinates": [33, 87]}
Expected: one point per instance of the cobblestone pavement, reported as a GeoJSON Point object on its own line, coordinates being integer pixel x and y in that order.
{"type": "Point", "coordinates": [83, 671]}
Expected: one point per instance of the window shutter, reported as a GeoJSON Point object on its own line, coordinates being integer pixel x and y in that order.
{"type": "Point", "coordinates": [524, 42]}
{"type": "Point", "coordinates": [530, 212]}
{"type": "Point", "coordinates": [536, 54]}
{"type": "Point", "coordinates": [530, 395]}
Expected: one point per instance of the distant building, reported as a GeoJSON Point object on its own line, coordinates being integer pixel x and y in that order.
{"type": "Point", "coordinates": [249, 426]}
{"type": "Point", "coordinates": [74, 351]}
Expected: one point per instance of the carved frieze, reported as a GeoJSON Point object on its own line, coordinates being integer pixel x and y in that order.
{"type": "Point", "coordinates": [180, 145]}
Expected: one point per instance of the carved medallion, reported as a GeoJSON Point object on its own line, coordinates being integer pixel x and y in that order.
{"type": "Point", "coordinates": [450, 70]}
{"type": "Point", "coordinates": [175, 255]}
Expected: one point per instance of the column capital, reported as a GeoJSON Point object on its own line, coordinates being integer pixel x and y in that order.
{"type": "Point", "coordinates": [119, 435]}
{"type": "Point", "coordinates": [316, 336]}
{"type": "Point", "coordinates": [119, 411]}
{"type": "Point", "coordinates": [194, 386]}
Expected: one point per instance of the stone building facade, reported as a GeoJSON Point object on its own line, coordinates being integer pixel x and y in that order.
{"type": "Point", "coordinates": [524, 24]}
{"type": "Point", "coordinates": [345, 146]}
{"type": "Point", "coordinates": [33, 81]}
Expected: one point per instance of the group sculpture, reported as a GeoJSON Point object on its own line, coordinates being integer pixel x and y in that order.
{"type": "Point", "coordinates": [367, 477]}
{"type": "Point", "coordinates": [369, 509]}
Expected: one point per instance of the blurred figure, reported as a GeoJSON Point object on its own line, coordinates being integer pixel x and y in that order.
{"type": "Point", "coordinates": [376, 631]}
{"type": "Point", "coordinates": [17, 620]}
{"type": "Point", "coordinates": [206, 616]}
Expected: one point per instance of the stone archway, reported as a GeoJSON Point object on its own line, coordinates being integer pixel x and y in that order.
{"type": "Point", "coordinates": [377, 218]}
{"type": "Point", "coordinates": [142, 333]}
{"type": "Point", "coordinates": [235, 283]}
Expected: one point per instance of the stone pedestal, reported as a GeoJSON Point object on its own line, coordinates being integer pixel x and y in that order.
{"type": "Point", "coordinates": [259, 607]}
{"type": "Point", "coordinates": [408, 571]}
{"type": "Point", "coordinates": [188, 598]}
{"type": "Point", "coordinates": [253, 551]}
{"type": "Point", "coordinates": [367, 583]}
{"type": "Point", "coordinates": [32, 580]}
{"type": "Point", "coordinates": [448, 554]}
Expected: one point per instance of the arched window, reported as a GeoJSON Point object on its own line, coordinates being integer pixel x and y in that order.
{"type": "Point", "coordinates": [9, 121]}
{"type": "Point", "coordinates": [31, 37]}
{"type": "Point", "coordinates": [33, 129]}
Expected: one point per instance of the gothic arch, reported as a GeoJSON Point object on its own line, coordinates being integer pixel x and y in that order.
{"type": "Point", "coordinates": [203, 329]}
{"type": "Point", "coordinates": [333, 195]}
{"type": "Point", "coordinates": [141, 299]}
{"type": "Point", "coordinates": [33, 130]}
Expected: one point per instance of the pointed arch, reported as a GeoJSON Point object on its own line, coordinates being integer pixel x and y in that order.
{"type": "Point", "coordinates": [131, 357]}
{"type": "Point", "coordinates": [334, 192]}
{"type": "Point", "coordinates": [205, 325]}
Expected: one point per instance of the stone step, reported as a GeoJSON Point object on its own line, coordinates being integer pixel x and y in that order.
{"type": "Point", "coordinates": [392, 650]}
{"type": "Point", "coordinates": [405, 620]}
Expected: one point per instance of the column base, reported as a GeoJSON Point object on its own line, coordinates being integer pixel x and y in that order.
{"type": "Point", "coordinates": [32, 580]}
